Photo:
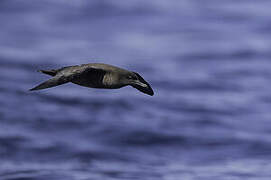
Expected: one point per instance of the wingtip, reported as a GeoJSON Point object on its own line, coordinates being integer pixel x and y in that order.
{"type": "Point", "coordinates": [33, 89]}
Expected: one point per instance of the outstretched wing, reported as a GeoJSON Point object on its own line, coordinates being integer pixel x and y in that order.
{"type": "Point", "coordinates": [55, 81]}
{"type": "Point", "coordinates": [89, 76]}
{"type": "Point", "coordinates": [82, 75]}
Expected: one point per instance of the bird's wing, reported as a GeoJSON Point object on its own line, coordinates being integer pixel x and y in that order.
{"type": "Point", "coordinates": [71, 74]}
{"type": "Point", "coordinates": [88, 75]}
{"type": "Point", "coordinates": [55, 81]}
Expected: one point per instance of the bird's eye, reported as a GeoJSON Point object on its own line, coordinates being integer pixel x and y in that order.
{"type": "Point", "coordinates": [132, 77]}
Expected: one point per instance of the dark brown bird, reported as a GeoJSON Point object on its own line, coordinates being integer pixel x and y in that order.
{"type": "Point", "coordinates": [95, 75]}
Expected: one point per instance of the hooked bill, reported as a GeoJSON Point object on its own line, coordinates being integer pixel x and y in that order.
{"type": "Point", "coordinates": [147, 90]}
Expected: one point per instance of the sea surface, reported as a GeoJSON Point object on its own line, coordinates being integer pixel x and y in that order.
{"type": "Point", "coordinates": [209, 63]}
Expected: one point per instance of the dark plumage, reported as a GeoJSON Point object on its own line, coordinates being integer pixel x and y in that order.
{"type": "Point", "coordinates": [95, 75]}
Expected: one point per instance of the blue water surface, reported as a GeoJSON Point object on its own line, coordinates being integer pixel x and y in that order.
{"type": "Point", "coordinates": [207, 61]}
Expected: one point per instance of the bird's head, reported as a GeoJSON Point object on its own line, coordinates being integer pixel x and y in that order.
{"type": "Point", "coordinates": [136, 81]}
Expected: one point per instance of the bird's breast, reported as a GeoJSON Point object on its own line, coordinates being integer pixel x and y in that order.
{"type": "Point", "coordinates": [111, 81]}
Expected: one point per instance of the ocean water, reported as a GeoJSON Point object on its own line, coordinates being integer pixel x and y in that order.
{"type": "Point", "coordinates": [207, 61]}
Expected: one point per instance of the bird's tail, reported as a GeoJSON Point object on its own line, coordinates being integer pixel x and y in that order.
{"type": "Point", "coordinates": [51, 72]}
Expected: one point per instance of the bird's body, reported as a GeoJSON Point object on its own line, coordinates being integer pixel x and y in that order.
{"type": "Point", "coordinates": [95, 75]}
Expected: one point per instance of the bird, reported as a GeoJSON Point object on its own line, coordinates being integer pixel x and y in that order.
{"type": "Point", "coordinates": [95, 75]}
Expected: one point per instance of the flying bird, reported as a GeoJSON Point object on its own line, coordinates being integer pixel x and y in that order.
{"type": "Point", "coordinates": [95, 75]}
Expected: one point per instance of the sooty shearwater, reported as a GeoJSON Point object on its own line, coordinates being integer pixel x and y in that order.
{"type": "Point", "coordinates": [95, 75]}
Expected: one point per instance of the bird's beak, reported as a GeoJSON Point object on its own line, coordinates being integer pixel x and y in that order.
{"type": "Point", "coordinates": [142, 85]}
{"type": "Point", "coordinates": [137, 82]}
